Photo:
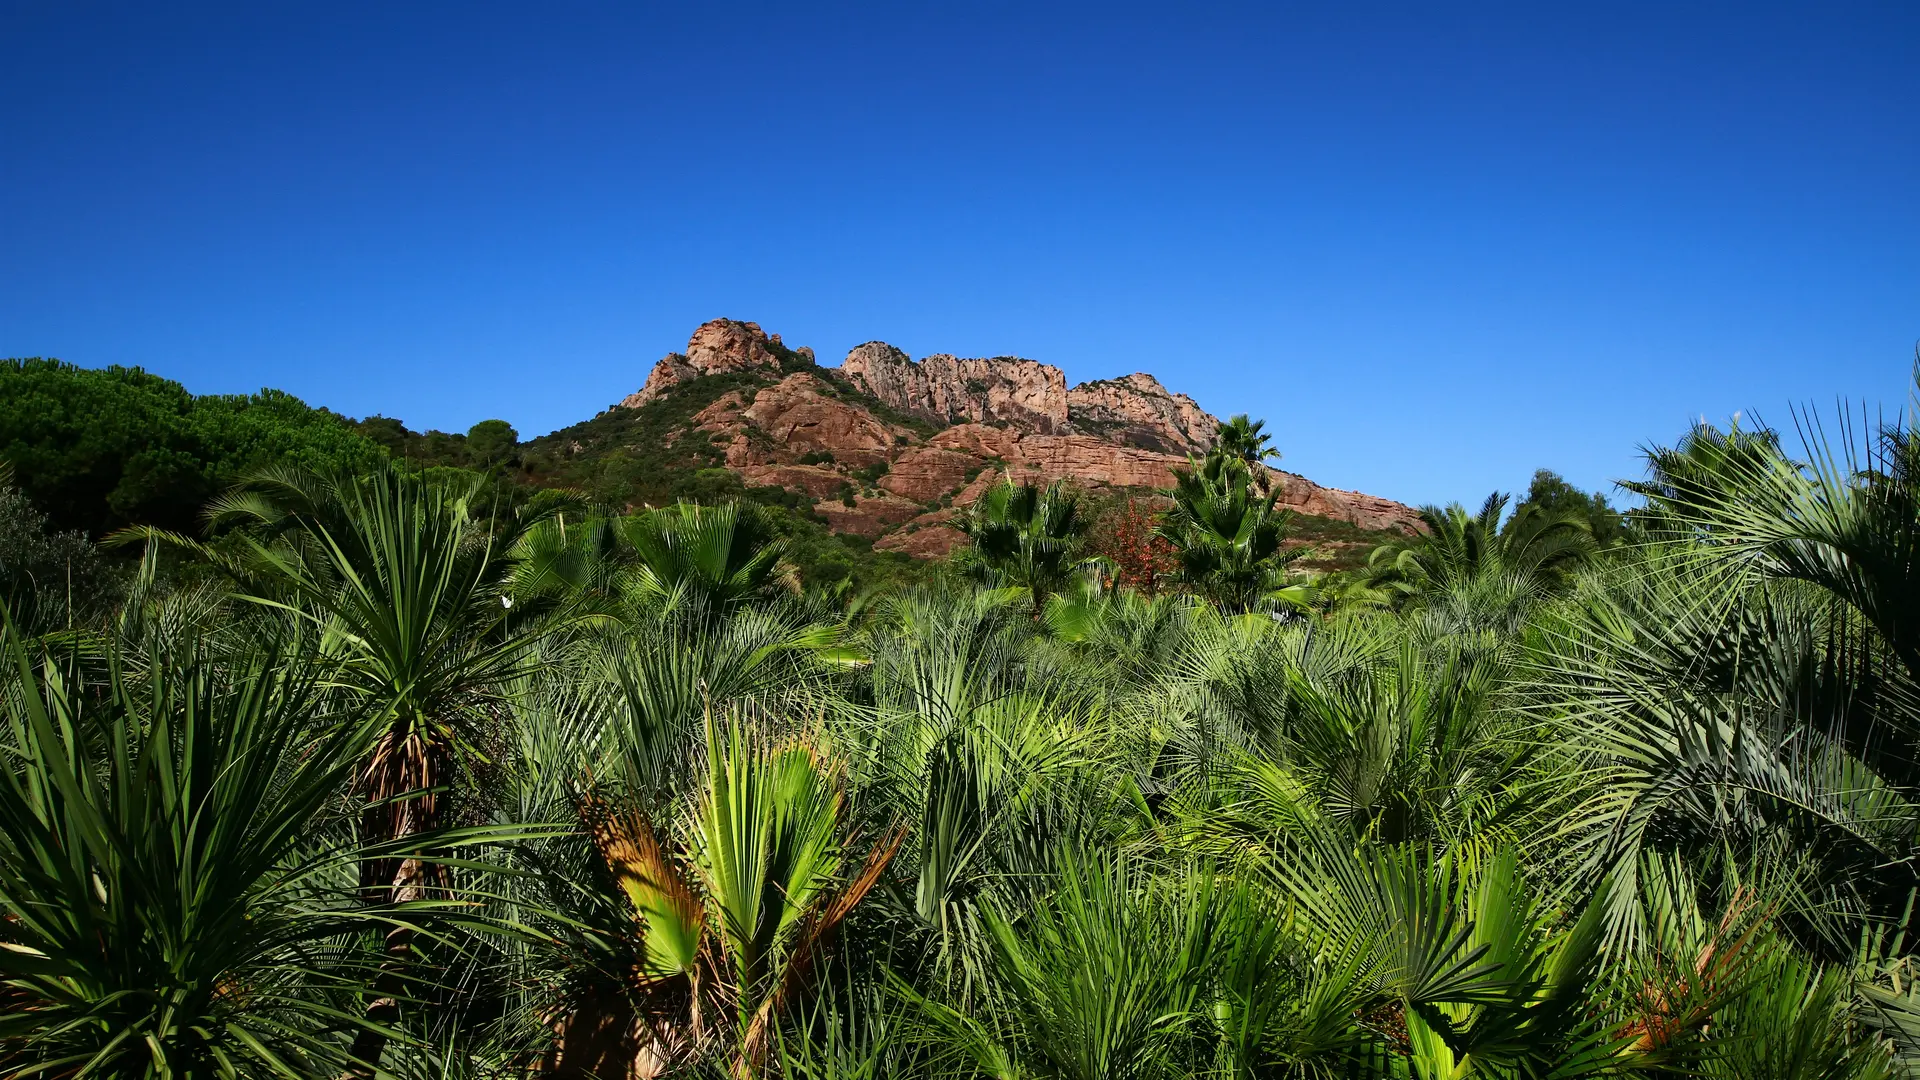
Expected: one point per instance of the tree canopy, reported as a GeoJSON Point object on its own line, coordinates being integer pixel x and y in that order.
{"type": "Point", "coordinates": [99, 449]}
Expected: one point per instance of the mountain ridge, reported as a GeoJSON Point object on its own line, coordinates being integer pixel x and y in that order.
{"type": "Point", "coordinates": [890, 449]}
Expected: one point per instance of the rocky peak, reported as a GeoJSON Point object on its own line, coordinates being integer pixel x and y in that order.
{"type": "Point", "coordinates": [1137, 410]}
{"type": "Point", "coordinates": [952, 390]}
{"type": "Point", "coordinates": [716, 348]}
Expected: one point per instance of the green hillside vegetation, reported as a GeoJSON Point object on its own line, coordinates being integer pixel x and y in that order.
{"type": "Point", "coordinates": [413, 770]}
{"type": "Point", "coordinates": [101, 449]}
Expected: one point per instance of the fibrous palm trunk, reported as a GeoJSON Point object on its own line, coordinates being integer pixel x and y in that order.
{"type": "Point", "coordinates": [402, 778]}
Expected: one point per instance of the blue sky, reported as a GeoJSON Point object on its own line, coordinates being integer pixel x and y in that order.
{"type": "Point", "coordinates": [1436, 246]}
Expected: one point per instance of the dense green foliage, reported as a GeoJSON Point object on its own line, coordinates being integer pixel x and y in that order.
{"type": "Point", "coordinates": [48, 578]}
{"type": "Point", "coordinates": [421, 776]}
{"type": "Point", "coordinates": [1551, 493]}
{"type": "Point", "coordinates": [1246, 440]}
{"type": "Point", "coordinates": [101, 449]}
{"type": "Point", "coordinates": [1225, 533]}
{"type": "Point", "coordinates": [1493, 568]}
{"type": "Point", "coordinates": [1028, 536]}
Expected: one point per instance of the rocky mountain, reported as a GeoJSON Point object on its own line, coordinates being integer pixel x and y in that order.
{"type": "Point", "coordinates": [891, 449]}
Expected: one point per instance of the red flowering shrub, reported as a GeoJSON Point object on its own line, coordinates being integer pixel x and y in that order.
{"type": "Point", "coordinates": [1142, 560]}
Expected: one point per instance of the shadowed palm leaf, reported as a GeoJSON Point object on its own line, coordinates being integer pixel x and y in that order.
{"type": "Point", "coordinates": [176, 887]}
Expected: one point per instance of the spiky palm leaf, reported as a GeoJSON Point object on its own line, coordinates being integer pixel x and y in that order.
{"type": "Point", "coordinates": [733, 919]}
{"type": "Point", "coordinates": [1700, 717]}
{"type": "Point", "coordinates": [176, 888]}
{"type": "Point", "coordinates": [1466, 971]}
{"type": "Point", "coordinates": [1101, 979]}
{"type": "Point", "coordinates": [707, 558]}
{"type": "Point", "coordinates": [1459, 554]}
{"type": "Point", "coordinates": [1246, 440]}
{"type": "Point", "coordinates": [1028, 536]}
{"type": "Point", "coordinates": [1227, 539]}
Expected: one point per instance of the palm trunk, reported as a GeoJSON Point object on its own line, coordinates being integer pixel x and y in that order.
{"type": "Point", "coordinates": [597, 1040]}
{"type": "Point", "coordinates": [403, 766]}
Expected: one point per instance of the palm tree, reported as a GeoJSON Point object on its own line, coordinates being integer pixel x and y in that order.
{"type": "Point", "coordinates": [175, 872]}
{"type": "Point", "coordinates": [1749, 678]}
{"type": "Point", "coordinates": [980, 749]}
{"type": "Point", "coordinates": [731, 909]}
{"type": "Point", "coordinates": [1706, 717]}
{"type": "Point", "coordinates": [1471, 968]}
{"type": "Point", "coordinates": [1846, 522]}
{"type": "Point", "coordinates": [1029, 536]}
{"type": "Point", "coordinates": [1410, 749]}
{"type": "Point", "coordinates": [710, 559]}
{"type": "Point", "coordinates": [411, 591]}
{"type": "Point", "coordinates": [1104, 976]}
{"type": "Point", "coordinates": [1546, 815]}
{"type": "Point", "coordinates": [570, 555]}
{"type": "Point", "coordinates": [1707, 469]}
{"type": "Point", "coordinates": [1227, 540]}
{"type": "Point", "coordinates": [664, 675]}
{"type": "Point", "coordinates": [1463, 554]}
{"type": "Point", "coordinates": [1246, 441]}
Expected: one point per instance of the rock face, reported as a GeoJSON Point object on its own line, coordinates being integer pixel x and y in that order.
{"type": "Point", "coordinates": [925, 473]}
{"type": "Point", "coordinates": [819, 482]}
{"type": "Point", "coordinates": [1087, 458]}
{"type": "Point", "coordinates": [801, 418]}
{"type": "Point", "coordinates": [950, 390]}
{"type": "Point", "coordinates": [1139, 411]}
{"type": "Point", "coordinates": [1299, 494]}
{"type": "Point", "coordinates": [716, 348]}
{"type": "Point", "coordinates": [1031, 397]}
{"type": "Point", "coordinates": [931, 541]}
{"type": "Point", "coordinates": [839, 436]}
{"type": "Point", "coordinates": [869, 516]}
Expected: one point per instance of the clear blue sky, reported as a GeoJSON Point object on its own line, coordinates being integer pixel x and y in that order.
{"type": "Point", "coordinates": [1435, 245]}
